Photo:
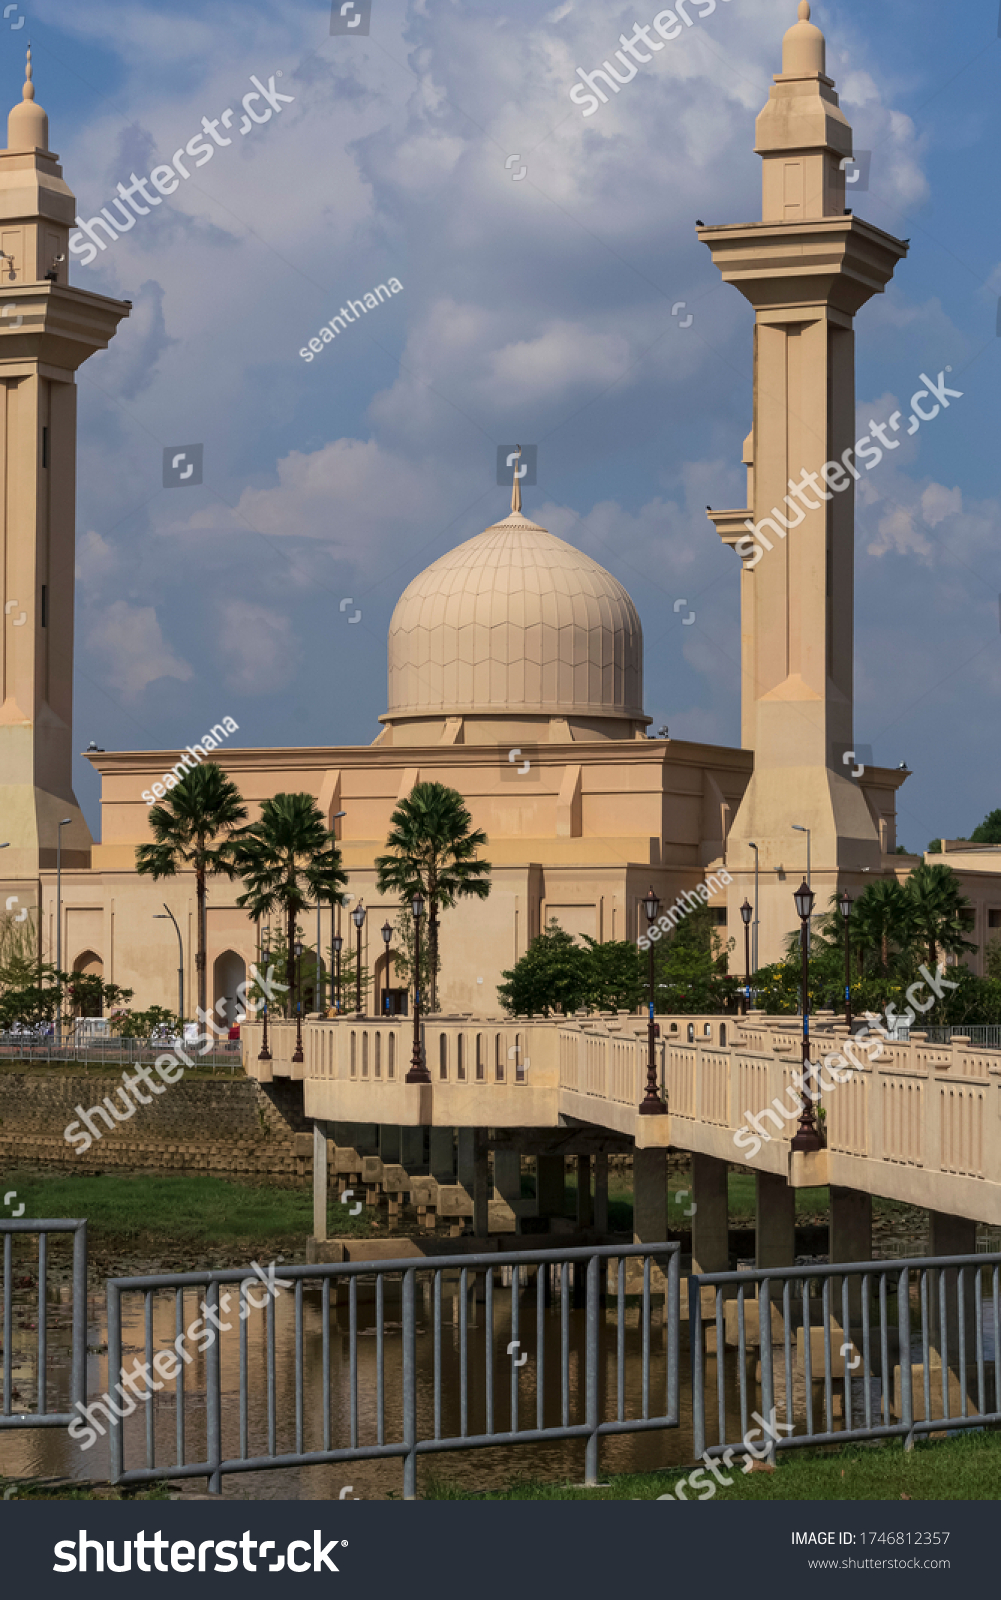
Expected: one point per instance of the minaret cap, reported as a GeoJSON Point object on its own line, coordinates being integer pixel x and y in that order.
{"type": "Point", "coordinates": [804, 50]}
{"type": "Point", "coordinates": [27, 124]}
{"type": "Point", "coordinates": [516, 486]}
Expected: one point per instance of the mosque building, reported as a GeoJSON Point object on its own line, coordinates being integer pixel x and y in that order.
{"type": "Point", "coordinates": [515, 670]}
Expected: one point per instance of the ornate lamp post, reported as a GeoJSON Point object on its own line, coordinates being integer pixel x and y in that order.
{"type": "Point", "coordinates": [746, 912]}
{"type": "Point", "coordinates": [418, 1071]}
{"type": "Point", "coordinates": [387, 934]}
{"type": "Point", "coordinates": [807, 1138]}
{"type": "Point", "coordinates": [337, 943]}
{"type": "Point", "coordinates": [845, 907]}
{"type": "Point", "coordinates": [358, 918]}
{"type": "Point", "coordinates": [265, 1053]}
{"type": "Point", "coordinates": [297, 1054]}
{"type": "Point", "coordinates": [652, 1105]}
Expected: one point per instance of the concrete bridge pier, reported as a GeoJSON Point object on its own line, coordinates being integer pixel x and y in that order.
{"type": "Point", "coordinates": [551, 1185]}
{"type": "Point", "coordinates": [849, 1239]}
{"type": "Point", "coordinates": [585, 1201]}
{"type": "Point", "coordinates": [710, 1228]}
{"type": "Point", "coordinates": [774, 1222]}
{"type": "Point", "coordinates": [507, 1182]}
{"type": "Point", "coordinates": [474, 1175]}
{"type": "Point", "coordinates": [952, 1236]}
{"type": "Point", "coordinates": [601, 1193]}
{"type": "Point", "coordinates": [649, 1196]}
{"type": "Point", "coordinates": [320, 1181]}
{"type": "Point", "coordinates": [442, 1156]}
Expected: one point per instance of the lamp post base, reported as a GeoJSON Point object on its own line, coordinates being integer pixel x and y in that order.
{"type": "Point", "coordinates": [653, 1108]}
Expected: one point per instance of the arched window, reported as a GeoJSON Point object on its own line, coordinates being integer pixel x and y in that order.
{"type": "Point", "coordinates": [691, 1033]}
{"type": "Point", "coordinates": [722, 1033]}
{"type": "Point", "coordinates": [364, 1054]}
{"type": "Point", "coordinates": [378, 1055]}
{"type": "Point", "coordinates": [228, 973]}
{"type": "Point", "coordinates": [391, 1063]}
{"type": "Point", "coordinates": [460, 1058]}
{"type": "Point", "coordinates": [443, 1055]}
{"type": "Point", "coordinates": [480, 1064]}
{"type": "Point", "coordinates": [498, 1058]}
{"type": "Point", "coordinates": [707, 1030]}
{"type": "Point", "coordinates": [88, 965]}
{"type": "Point", "coordinates": [519, 1060]}
{"type": "Point", "coordinates": [354, 1054]}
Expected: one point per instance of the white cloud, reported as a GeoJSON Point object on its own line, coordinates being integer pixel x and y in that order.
{"type": "Point", "coordinates": [129, 642]}
{"type": "Point", "coordinates": [259, 646]}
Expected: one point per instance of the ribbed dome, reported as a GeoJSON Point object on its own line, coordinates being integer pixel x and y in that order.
{"type": "Point", "coordinates": [515, 621]}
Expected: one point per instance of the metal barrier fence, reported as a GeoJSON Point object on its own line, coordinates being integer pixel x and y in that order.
{"type": "Point", "coordinates": [874, 1362]}
{"type": "Point", "coordinates": [112, 1051]}
{"type": "Point", "coordinates": [604, 1283]}
{"type": "Point", "coordinates": [13, 1348]}
{"type": "Point", "coordinates": [985, 1035]}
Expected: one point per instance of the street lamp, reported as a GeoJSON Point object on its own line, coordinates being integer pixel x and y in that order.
{"type": "Point", "coordinates": [845, 907]}
{"type": "Point", "coordinates": [387, 934]}
{"type": "Point", "coordinates": [652, 1105]}
{"type": "Point", "coordinates": [161, 916]}
{"type": "Point", "coordinates": [807, 1138]}
{"type": "Point", "coordinates": [746, 912]}
{"type": "Point", "coordinates": [754, 933]}
{"type": "Point", "coordinates": [59, 921]}
{"type": "Point", "coordinates": [321, 986]}
{"type": "Point", "coordinates": [337, 943]}
{"type": "Point", "coordinates": [265, 1053]}
{"type": "Point", "coordinates": [797, 827]}
{"type": "Point", "coordinates": [418, 1071]}
{"type": "Point", "coordinates": [297, 1054]}
{"type": "Point", "coordinates": [358, 918]}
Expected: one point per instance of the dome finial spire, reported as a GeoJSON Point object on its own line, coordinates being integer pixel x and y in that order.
{"type": "Point", "coordinates": [804, 10]}
{"type": "Point", "coordinates": [516, 486]}
{"type": "Point", "coordinates": [28, 92]}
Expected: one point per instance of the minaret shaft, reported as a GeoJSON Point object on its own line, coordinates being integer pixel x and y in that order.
{"type": "Point", "coordinates": [806, 268]}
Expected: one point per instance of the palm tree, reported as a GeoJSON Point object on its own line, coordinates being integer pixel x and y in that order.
{"type": "Point", "coordinates": [204, 805]}
{"type": "Point", "coordinates": [937, 908]}
{"type": "Point", "coordinates": [433, 849]}
{"type": "Point", "coordinates": [289, 860]}
{"type": "Point", "coordinates": [882, 916]}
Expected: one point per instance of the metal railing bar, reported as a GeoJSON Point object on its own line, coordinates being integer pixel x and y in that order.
{"type": "Point", "coordinates": [42, 1342]}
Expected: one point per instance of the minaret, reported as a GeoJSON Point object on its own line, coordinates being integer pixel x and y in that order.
{"type": "Point", "coordinates": [47, 330]}
{"type": "Point", "coordinates": [806, 268]}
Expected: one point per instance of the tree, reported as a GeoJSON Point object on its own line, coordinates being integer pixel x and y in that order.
{"type": "Point", "coordinates": [882, 924]}
{"type": "Point", "coordinates": [289, 860]}
{"type": "Point", "coordinates": [690, 967]}
{"type": "Point", "coordinates": [553, 975]}
{"type": "Point", "coordinates": [205, 806]}
{"type": "Point", "coordinates": [405, 946]}
{"type": "Point", "coordinates": [433, 845]}
{"type": "Point", "coordinates": [989, 831]}
{"type": "Point", "coordinates": [617, 978]}
{"type": "Point", "coordinates": [993, 962]}
{"type": "Point", "coordinates": [938, 907]}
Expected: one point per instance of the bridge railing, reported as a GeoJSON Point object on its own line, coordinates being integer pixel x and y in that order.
{"type": "Point", "coordinates": [524, 1348]}
{"type": "Point", "coordinates": [28, 1357]}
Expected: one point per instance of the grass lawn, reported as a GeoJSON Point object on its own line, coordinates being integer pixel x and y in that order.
{"type": "Point", "coordinates": [198, 1210]}
{"type": "Point", "coordinates": [967, 1467]}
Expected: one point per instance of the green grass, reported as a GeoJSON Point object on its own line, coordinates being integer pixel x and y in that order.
{"type": "Point", "coordinates": [964, 1468]}
{"type": "Point", "coordinates": [184, 1210]}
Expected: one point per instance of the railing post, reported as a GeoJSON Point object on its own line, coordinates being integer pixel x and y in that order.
{"type": "Point", "coordinates": [591, 1376]}
{"type": "Point", "coordinates": [767, 1375]}
{"type": "Point", "coordinates": [698, 1374]}
{"type": "Point", "coordinates": [213, 1399]}
{"type": "Point", "coordinates": [116, 1441]}
{"type": "Point", "coordinates": [78, 1371]}
{"type": "Point", "coordinates": [904, 1328]}
{"type": "Point", "coordinates": [410, 1387]}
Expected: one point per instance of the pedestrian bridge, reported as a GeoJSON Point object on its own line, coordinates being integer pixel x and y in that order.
{"type": "Point", "coordinates": [910, 1123]}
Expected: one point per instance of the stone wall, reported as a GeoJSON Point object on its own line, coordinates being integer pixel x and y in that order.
{"type": "Point", "coordinates": [228, 1127]}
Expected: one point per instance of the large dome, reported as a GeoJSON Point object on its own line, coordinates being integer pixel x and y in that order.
{"type": "Point", "coordinates": [517, 623]}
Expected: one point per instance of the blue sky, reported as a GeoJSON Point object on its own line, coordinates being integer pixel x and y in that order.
{"type": "Point", "coordinates": [537, 310]}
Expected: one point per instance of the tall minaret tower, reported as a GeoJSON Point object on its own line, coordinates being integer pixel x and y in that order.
{"type": "Point", "coordinates": [806, 268]}
{"type": "Point", "coordinates": [47, 330]}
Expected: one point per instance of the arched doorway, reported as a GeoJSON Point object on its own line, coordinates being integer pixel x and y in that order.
{"type": "Point", "coordinates": [228, 972]}
{"type": "Point", "coordinates": [89, 965]}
